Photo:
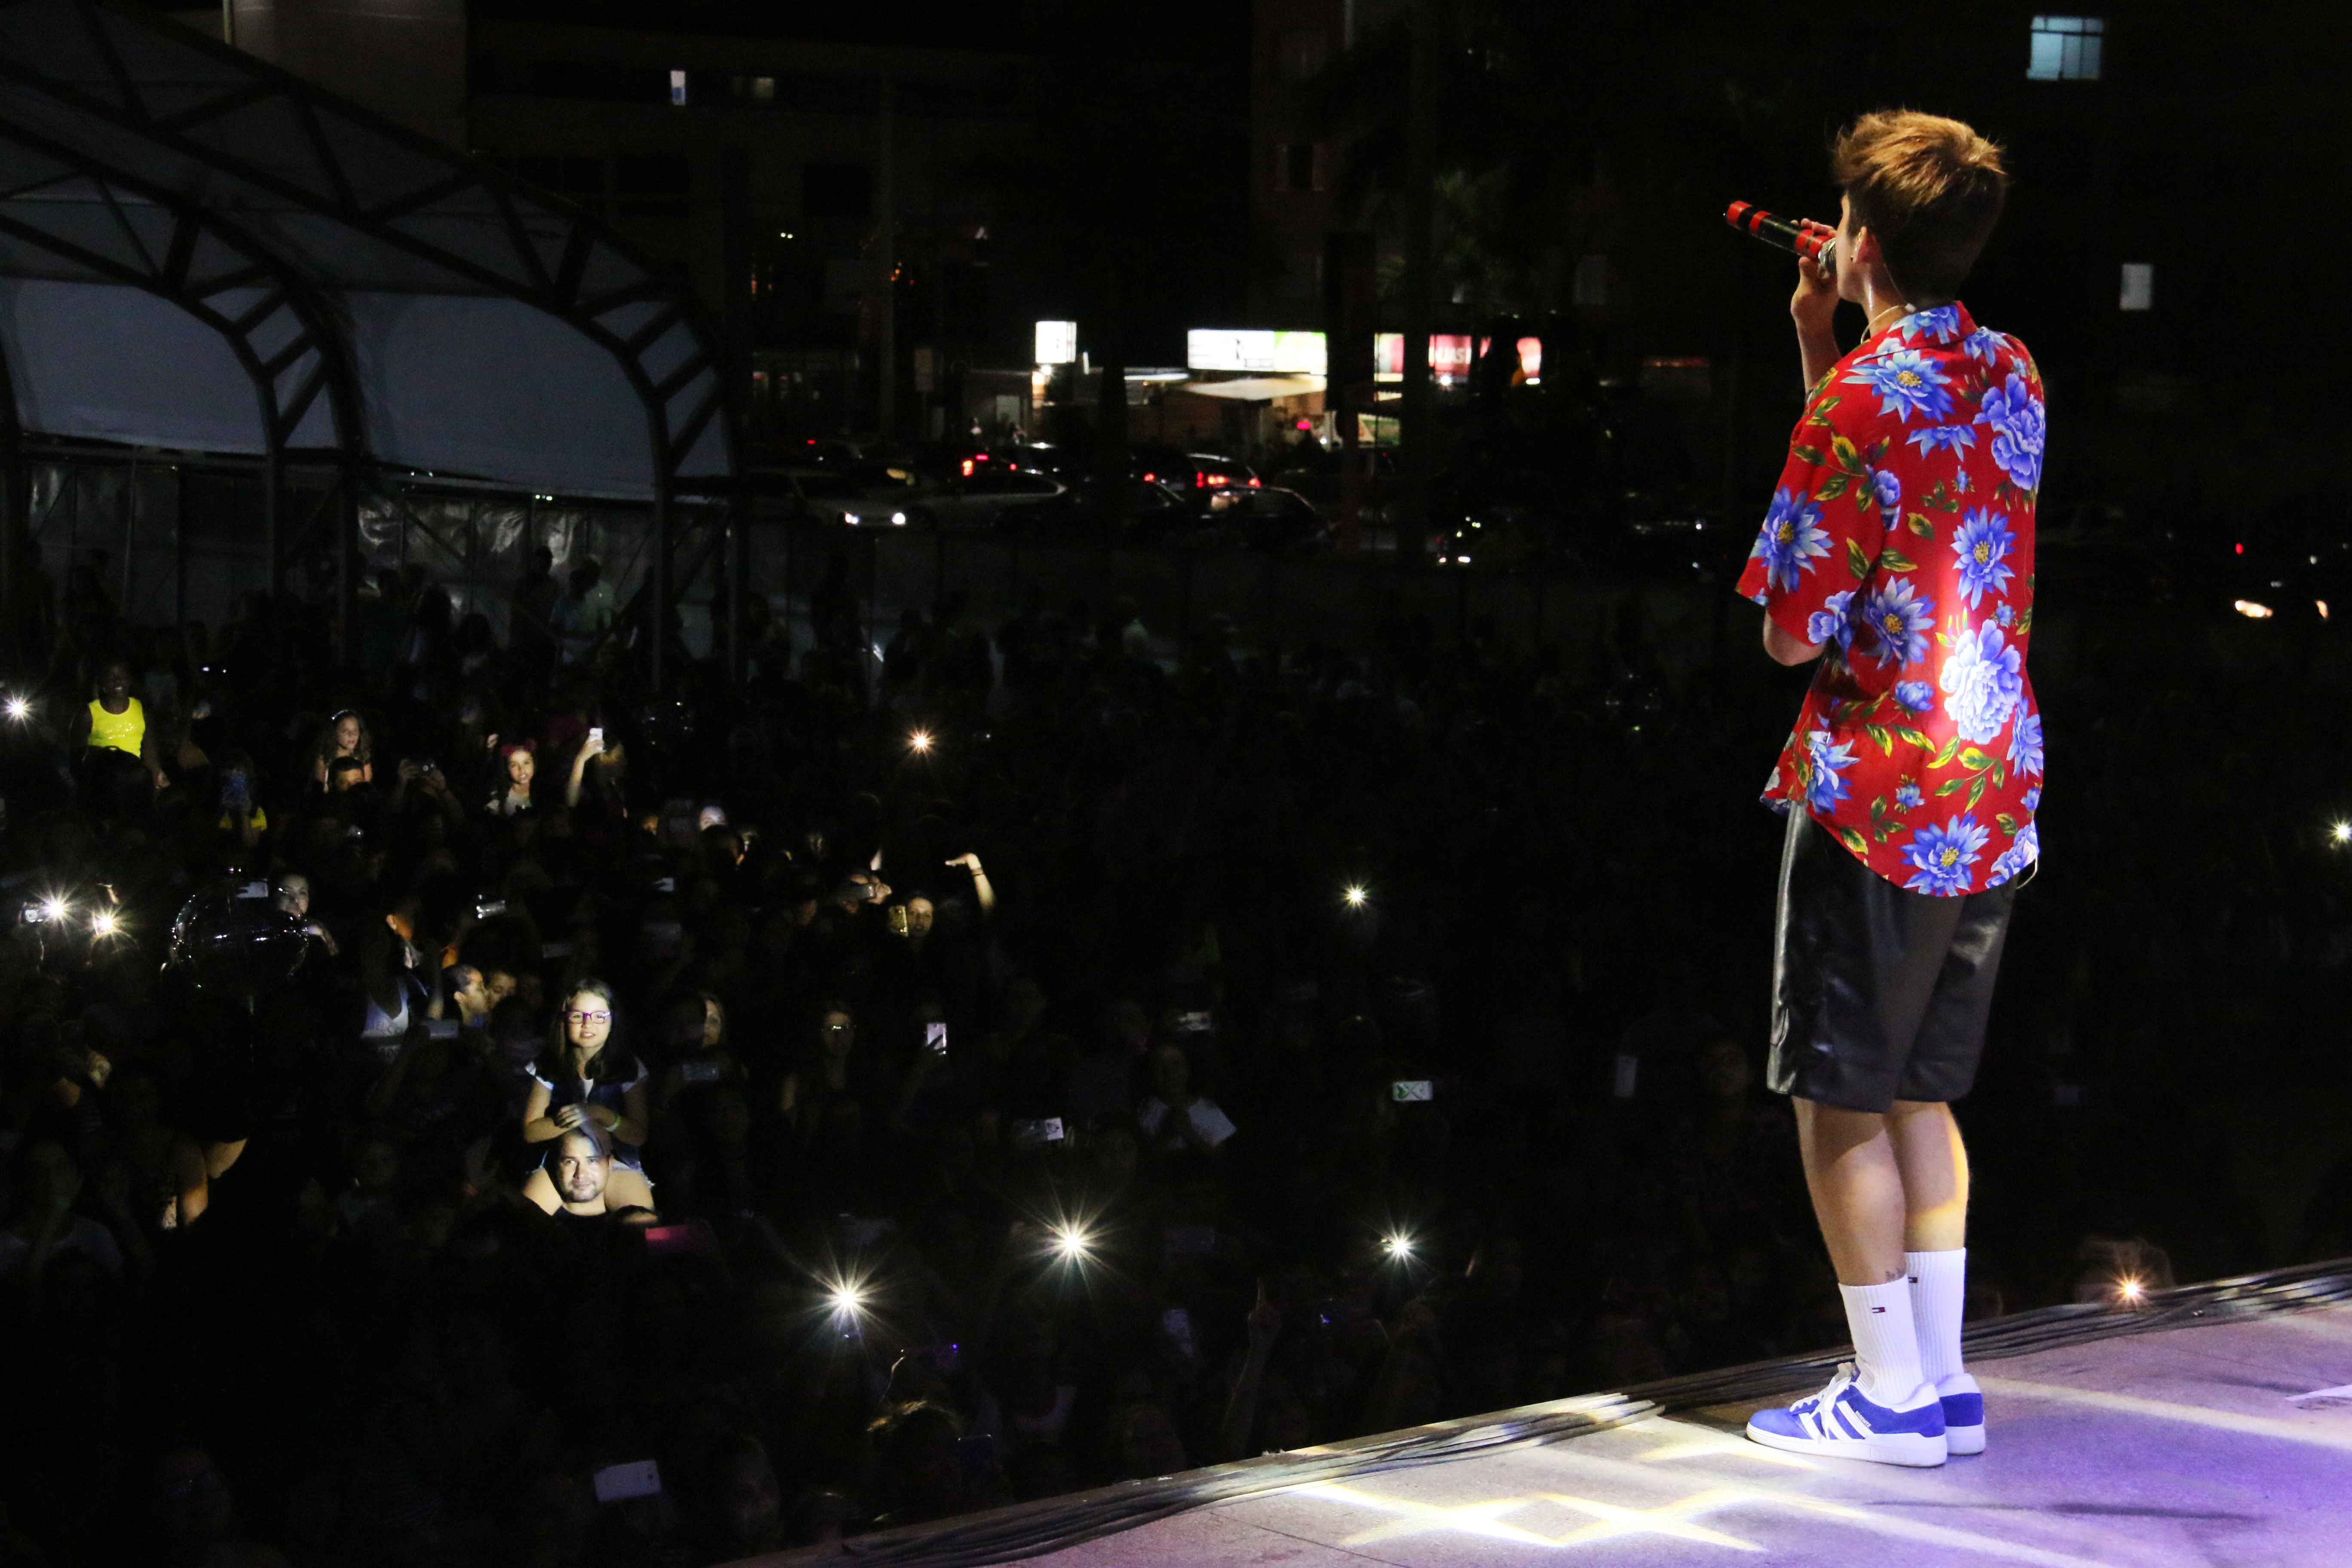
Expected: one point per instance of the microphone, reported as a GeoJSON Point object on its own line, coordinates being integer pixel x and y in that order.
{"type": "Point", "coordinates": [1815, 241]}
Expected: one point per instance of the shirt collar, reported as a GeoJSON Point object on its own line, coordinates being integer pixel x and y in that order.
{"type": "Point", "coordinates": [1940, 326]}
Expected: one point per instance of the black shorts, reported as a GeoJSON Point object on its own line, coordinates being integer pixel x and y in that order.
{"type": "Point", "coordinates": [1878, 994]}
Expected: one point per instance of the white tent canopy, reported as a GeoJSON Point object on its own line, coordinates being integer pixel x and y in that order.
{"type": "Point", "coordinates": [198, 251]}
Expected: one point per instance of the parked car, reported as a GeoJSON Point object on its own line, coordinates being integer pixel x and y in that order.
{"type": "Point", "coordinates": [1154, 513]}
{"type": "Point", "coordinates": [1193, 477]}
{"type": "Point", "coordinates": [982, 500]}
{"type": "Point", "coordinates": [830, 496]}
{"type": "Point", "coordinates": [1270, 519]}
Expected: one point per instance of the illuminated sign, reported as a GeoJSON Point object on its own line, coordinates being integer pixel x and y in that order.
{"type": "Point", "coordinates": [1450, 356]}
{"type": "Point", "coordinates": [1252, 349]}
{"type": "Point", "coordinates": [1057, 342]}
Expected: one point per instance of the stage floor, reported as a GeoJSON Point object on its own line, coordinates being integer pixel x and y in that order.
{"type": "Point", "coordinates": [2187, 1445]}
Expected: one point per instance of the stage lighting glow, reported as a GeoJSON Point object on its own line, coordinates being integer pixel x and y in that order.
{"type": "Point", "coordinates": [1072, 1242]}
{"type": "Point", "coordinates": [20, 708]}
{"type": "Point", "coordinates": [919, 741]}
{"type": "Point", "coordinates": [1356, 895]}
{"type": "Point", "coordinates": [1398, 1245]}
{"type": "Point", "coordinates": [2253, 611]}
{"type": "Point", "coordinates": [846, 1296]}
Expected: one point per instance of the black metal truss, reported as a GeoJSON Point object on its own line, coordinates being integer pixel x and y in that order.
{"type": "Point", "coordinates": [118, 228]}
{"type": "Point", "coordinates": [287, 141]}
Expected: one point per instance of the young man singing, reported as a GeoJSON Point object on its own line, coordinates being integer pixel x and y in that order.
{"type": "Point", "coordinates": [1898, 552]}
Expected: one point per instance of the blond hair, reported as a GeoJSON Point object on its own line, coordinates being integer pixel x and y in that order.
{"type": "Point", "coordinates": [1930, 189]}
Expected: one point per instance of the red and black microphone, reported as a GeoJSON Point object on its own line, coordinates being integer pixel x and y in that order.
{"type": "Point", "coordinates": [1812, 240]}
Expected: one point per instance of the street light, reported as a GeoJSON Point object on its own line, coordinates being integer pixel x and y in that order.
{"type": "Point", "coordinates": [1398, 1245]}
{"type": "Point", "coordinates": [1356, 895]}
{"type": "Point", "coordinates": [920, 743]}
{"type": "Point", "coordinates": [2130, 1291]}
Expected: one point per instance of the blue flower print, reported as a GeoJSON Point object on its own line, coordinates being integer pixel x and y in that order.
{"type": "Point", "coordinates": [1906, 381]}
{"type": "Point", "coordinates": [1942, 857]}
{"type": "Point", "coordinates": [2025, 753]}
{"type": "Point", "coordinates": [2023, 851]}
{"type": "Point", "coordinates": [1915, 694]}
{"type": "Point", "coordinates": [1982, 680]}
{"type": "Point", "coordinates": [1886, 488]}
{"type": "Point", "coordinates": [2018, 426]}
{"type": "Point", "coordinates": [1826, 789]}
{"type": "Point", "coordinates": [1943, 438]}
{"type": "Point", "coordinates": [1790, 541]}
{"type": "Point", "coordinates": [2034, 797]}
{"type": "Point", "coordinates": [1834, 622]}
{"type": "Point", "coordinates": [1984, 345]}
{"type": "Point", "coordinates": [1961, 483]}
{"type": "Point", "coordinates": [1941, 323]}
{"type": "Point", "coordinates": [1907, 795]}
{"type": "Point", "coordinates": [2006, 615]}
{"type": "Point", "coordinates": [1982, 549]}
{"type": "Point", "coordinates": [1900, 621]}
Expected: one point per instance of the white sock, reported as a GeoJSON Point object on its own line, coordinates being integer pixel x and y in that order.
{"type": "Point", "coordinates": [1885, 1346]}
{"type": "Point", "coordinates": [1939, 1289]}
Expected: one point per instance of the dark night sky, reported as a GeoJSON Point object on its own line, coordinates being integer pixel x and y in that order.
{"type": "Point", "coordinates": [1208, 32]}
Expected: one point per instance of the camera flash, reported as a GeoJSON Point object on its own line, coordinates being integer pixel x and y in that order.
{"type": "Point", "coordinates": [18, 708]}
{"type": "Point", "coordinates": [105, 923]}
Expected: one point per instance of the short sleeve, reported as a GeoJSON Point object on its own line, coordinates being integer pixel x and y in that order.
{"type": "Point", "coordinates": [1822, 534]}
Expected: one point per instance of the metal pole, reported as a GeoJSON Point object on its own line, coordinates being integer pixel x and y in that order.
{"type": "Point", "coordinates": [1416, 439]}
{"type": "Point", "coordinates": [660, 618]}
{"type": "Point", "coordinates": [887, 351]}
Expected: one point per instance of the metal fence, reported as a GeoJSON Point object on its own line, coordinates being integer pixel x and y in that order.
{"type": "Point", "coordinates": [171, 542]}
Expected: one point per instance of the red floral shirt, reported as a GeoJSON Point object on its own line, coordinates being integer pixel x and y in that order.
{"type": "Point", "coordinates": [1901, 537]}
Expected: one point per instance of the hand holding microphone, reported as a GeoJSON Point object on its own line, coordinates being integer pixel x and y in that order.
{"type": "Point", "coordinates": [1815, 301]}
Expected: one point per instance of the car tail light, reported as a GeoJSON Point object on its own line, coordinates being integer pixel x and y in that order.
{"type": "Point", "coordinates": [1255, 481]}
{"type": "Point", "coordinates": [1217, 479]}
{"type": "Point", "coordinates": [1199, 479]}
{"type": "Point", "coordinates": [1149, 478]}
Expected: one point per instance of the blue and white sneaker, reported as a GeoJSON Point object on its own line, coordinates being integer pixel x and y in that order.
{"type": "Point", "coordinates": [1964, 1420]}
{"type": "Point", "coordinates": [1841, 1423]}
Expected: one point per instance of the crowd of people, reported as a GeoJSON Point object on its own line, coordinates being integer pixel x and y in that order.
{"type": "Point", "coordinates": [469, 1107]}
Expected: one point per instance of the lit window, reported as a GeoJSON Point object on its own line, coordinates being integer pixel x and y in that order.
{"type": "Point", "coordinates": [2139, 286]}
{"type": "Point", "coordinates": [2065, 48]}
{"type": "Point", "coordinates": [677, 86]}
{"type": "Point", "coordinates": [763, 89]}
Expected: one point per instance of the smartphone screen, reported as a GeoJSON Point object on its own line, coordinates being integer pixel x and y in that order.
{"type": "Point", "coordinates": [619, 1483]}
{"type": "Point", "coordinates": [935, 1038]}
{"type": "Point", "coordinates": [596, 735]}
{"type": "Point", "coordinates": [1406, 1090]}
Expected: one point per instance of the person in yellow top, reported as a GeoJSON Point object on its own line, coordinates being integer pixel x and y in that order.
{"type": "Point", "coordinates": [114, 726]}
